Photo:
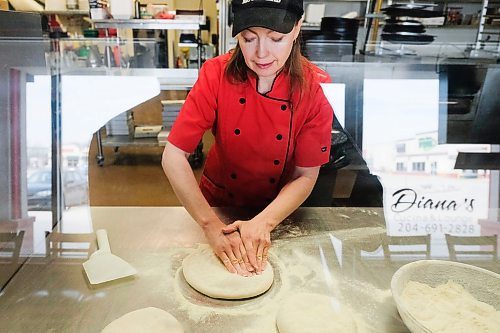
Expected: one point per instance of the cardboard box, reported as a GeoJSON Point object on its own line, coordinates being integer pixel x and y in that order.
{"type": "Point", "coordinates": [163, 137]}
{"type": "Point", "coordinates": [314, 13]}
{"type": "Point", "coordinates": [4, 5]}
{"type": "Point", "coordinates": [147, 131]}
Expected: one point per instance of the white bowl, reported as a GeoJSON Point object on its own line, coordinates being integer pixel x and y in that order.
{"type": "Point", "coordinates": [484, 285]}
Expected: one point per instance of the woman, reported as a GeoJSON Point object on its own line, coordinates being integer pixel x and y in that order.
{"type": "Point", "coordinates": [271, 122]}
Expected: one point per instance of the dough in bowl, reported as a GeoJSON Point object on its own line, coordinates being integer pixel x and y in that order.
{"type": "Point", "coordinates": [205, 273]}
{"type": "Point", "coordinates": [314, 313]}
{"type": "Point", "coordinates": [147, 320]}
{"type": "Point", "coordinates": [449, 308]}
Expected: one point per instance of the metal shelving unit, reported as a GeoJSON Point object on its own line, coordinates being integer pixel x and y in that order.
{"type": "Point", "coordinates": [190, 22]}
{"type": "Point", "coordinates": [66, 12]}
{"type": "Point", "coordinates": [182, 22]}
{"type": "Point", "coordinates": [169, 79]}
{"type": "Point", "coordinates": [488, 37]}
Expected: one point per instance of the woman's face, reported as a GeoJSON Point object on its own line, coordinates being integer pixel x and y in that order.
{"type": "Point", "coordinates": [266, 51]}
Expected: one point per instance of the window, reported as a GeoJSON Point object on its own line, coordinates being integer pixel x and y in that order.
{"type": "Point", "coordinates": [400, 148]}
{"type": "Point", "coordinates": [434, 168]}
{"type": "Point", "coordinates": [418, 166]}
{"type": "Point", "coordinates": [400, 166]}
{"type": "Point", "coordinates": [426, 143]}
{"type": "Point", "coordinates": [72, 161]}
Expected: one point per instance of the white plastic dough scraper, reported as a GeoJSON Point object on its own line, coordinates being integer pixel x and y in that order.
{"type": "Point", "coordinates": [103, 266]}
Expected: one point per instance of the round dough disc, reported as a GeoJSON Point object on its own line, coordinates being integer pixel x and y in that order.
{"type": "Point", "coordinates": [147, 320]}
{"type": "Point", "coordinates": [313, 313]}
{"type": "Point", "coordinates": [205, 273]}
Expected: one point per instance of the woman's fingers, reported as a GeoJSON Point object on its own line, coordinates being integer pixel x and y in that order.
{"type": "Point", "coordinates": [260, 255]}
{"type": "Point", "coordinates": [237, 266]}
{"type": "Point", "coordinates": [265, 257]}
{"type": "Point", "coordinates": [228, 229]}
{"type": "Point", "coordinates": [237, 256]}
{"type": "Point", "coordinates": [251, 253]}
{"type": "Point", "coordinates": [226, 262]}
{"type": "Point", "coordinates": [232, 263]}
{"type": "Point", "coordinates": [246, 261]}
{"type": "Point", "coordinates": [250, 247]}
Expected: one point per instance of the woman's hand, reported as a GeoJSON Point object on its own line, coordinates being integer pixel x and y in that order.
{"type": "Point", "coordinates": [256, 237]}
{"type": "Point", "coordinates": [230, 250]}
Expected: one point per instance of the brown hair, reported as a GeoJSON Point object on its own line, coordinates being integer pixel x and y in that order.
{"type": "Point", "coordinates": [237, 69]}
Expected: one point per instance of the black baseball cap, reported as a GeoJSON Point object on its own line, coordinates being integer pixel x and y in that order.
{"type": "Point", "coordinates": [277, 15]}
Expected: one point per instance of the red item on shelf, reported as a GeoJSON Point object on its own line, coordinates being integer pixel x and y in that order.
{"type": "Point", "coordinates": [164, 16]}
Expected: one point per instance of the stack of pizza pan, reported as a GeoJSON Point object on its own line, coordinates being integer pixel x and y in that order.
{"type": "Point", "coordinates": [403, 25]}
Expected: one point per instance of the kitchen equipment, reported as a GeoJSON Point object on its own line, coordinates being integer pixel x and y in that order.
{"type": "Point", "coordinates": [103, 266]}
{"type": "Point", "coordinates": [412, 5]}
{"type": "Point", "coordinates": [339, 27]}
{"type": "Point", "coordinates": [482, 284]}
{"type": "Point", "coordinates": [122, 9]}
{"type": "Point", "coordinates": [405, 31]}
{"type": "Point", "coordinates": [72, 4]}
{"type": "Point", "coordinates": [328, 50]}
{"type": "Point", "coordinates": [395, 11]}
{"type": "Point", "coordinates": [26, 5]}
{"type": "Point", "coordinates": [393, 26]}
{"type": "Point", "coordinates": [408, 38]}
{"type": "Point", "coordinates": [98, 10]}
{"type": "Point", "coordinates": [336, 39]}
{"type": "Point", "coordinates": [55, 5]}
{"type": "Point", "coordinates": [314, 12]}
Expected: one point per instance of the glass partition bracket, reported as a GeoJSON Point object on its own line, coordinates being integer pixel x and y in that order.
{"type": "Point", "coordinates": [198, 48]}
{"type": "Point", "coordinates": [15, 151]}
{"type": "Point", "coordinates": [56, 130]}
{"type": "Point", "coordinates": [223, 25]}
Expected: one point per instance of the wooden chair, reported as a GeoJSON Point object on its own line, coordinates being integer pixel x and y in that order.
{"type": "Point", "coordinates": [400, 248]}
{"type": "Point", "coordinates": [69, 247]}
{"type": "Point", "coordinates": [10, 251]}
{"type": "Point", "coordinates": [472, 247]}
{"type": "Point", "coordinates": [10, 246]}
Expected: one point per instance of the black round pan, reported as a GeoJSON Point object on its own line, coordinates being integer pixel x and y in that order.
{"type": "Point", "coordinates": [403, 22]}
{"type": "Point", "coordinates": [408, 38]}
{"type": "Point", "coordinates": [397, 12]}
{"type": "Point", "coordinates": [393, 28]}
{"type": "Point", "coordinates": [411, 5]}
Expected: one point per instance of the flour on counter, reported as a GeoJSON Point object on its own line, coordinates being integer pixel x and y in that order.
{"type": "Point", "coordinates": [298, 271]}
{"type": "Point", "coordinates": [449, 308]}
{"type": "Point", "coordinates": [314, 313]}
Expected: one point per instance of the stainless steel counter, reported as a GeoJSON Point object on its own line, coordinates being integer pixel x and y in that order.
{"type": "Point", "coordinates": [333, 251]}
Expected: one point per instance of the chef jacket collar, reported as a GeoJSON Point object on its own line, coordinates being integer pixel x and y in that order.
{"type": "Point", "coordinates": [280, 88]}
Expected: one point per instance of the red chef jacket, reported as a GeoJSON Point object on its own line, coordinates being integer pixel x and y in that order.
{"type": "Point", "coordinates": [259, 138]}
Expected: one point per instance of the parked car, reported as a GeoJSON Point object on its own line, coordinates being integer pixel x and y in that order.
{"type": "Point", "coordinates": [74, 189]}
{"type": "Point", "coordinates": [468, 173]}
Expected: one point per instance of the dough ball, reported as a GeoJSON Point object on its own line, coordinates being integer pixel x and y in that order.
{"type": "Point", "coordinates": [205, 273]}
{"type": "Point", "coordinates": [313, 313]}
{"type": "Point", "coordinates": [147, 320]}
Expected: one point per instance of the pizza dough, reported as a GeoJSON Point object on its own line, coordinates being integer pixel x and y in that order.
{"type": "Point", "coordinates": [314, 313]}
{"type": "Point", "coordinates": [449, 308]}
{"type": "Point", "coordinates": [205, 273]}
{"type": "Point", "coordinates": [147, 320]}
